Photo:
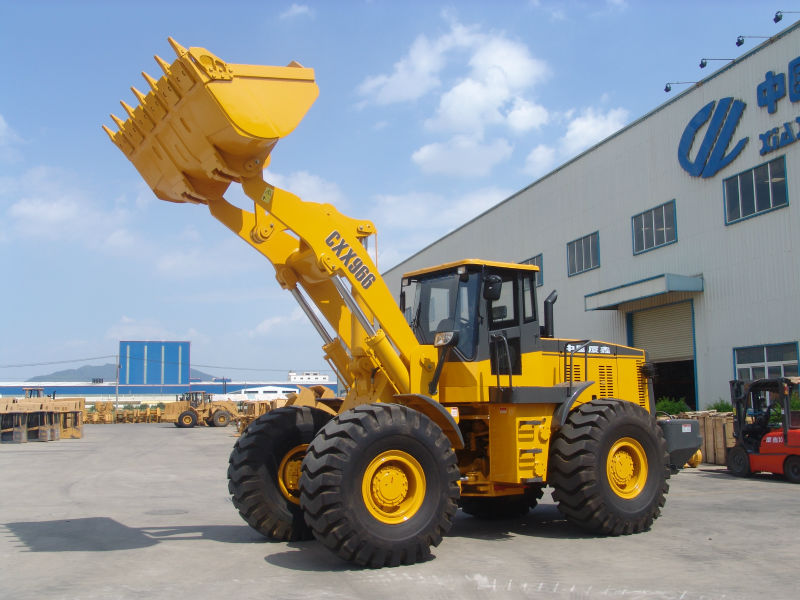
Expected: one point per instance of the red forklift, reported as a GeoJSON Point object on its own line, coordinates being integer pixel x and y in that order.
{"type": "Point", "coordinates": [766, 437]}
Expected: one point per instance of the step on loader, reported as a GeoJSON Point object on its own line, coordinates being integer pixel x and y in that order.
{"type": "Point", "coordinates": [459, 396]}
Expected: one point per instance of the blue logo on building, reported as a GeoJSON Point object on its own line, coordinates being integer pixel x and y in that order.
{"type": "Point", "coordinates": [722, 123]}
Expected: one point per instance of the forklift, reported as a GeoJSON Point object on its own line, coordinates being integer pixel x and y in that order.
{"type": "Point", "coordinates": [767, 439]}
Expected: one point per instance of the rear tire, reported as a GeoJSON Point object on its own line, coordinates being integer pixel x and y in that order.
{"type": "Point", "coordinates": [501, 507]}
{"type": "Point", "coordinates": [738, 462]}
{"type": "Point", "coordinates": [609, 466]}
{"type": "Point", "coordinates": [265, 467]}
{"type": "Point", "coordinates": [186, 419]}
{"type": "Point", "coordinates": [379, 485]}
{"type": "Point", "coordinates": [791, 469]}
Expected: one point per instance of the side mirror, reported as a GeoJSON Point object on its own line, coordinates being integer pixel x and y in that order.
{"type": "Point", "coordinates": [492, 286]}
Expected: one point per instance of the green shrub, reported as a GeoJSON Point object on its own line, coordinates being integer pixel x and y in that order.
{"type": "Point", "coordinates": [721, 406]}
{"type": "Point", "coordinates": [672, 406]}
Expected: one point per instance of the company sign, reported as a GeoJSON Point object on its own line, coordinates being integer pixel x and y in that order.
{"type": "Point", "coordinates": [723, 117]}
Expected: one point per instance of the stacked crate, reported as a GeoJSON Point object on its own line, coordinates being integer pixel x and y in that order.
{"type": "Point", "coordinates": [717, 432]}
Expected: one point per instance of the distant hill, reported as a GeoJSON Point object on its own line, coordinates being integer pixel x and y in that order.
{"type": "Point", "coordinates": [105, 372]}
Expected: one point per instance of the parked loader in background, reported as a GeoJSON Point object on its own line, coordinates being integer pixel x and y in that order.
{"type": "Point", "coordinates": [198, 407]}
{"type": "Point", "coordinates": [470, 397]}
{"type": "Point", "coordinates": [766, 437]}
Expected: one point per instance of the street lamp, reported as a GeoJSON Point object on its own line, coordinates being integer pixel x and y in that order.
{"type": "Point", "coordinates": [704, 61]}
{"type": "Point", "coordinates": [668, 87]}
{"type": "Point", "coordinates": [740, 39]}
{"type": "Point", "coordinates": [779, 15]}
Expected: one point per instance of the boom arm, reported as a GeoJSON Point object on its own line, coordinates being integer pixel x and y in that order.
{"type": "Point", "coordinates": [207, 123]}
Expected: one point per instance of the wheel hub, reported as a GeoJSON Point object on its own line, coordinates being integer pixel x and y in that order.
{"type": "Point", "coordinates": [393, 487]}
{"type": "Point", "coordinates": [289, 473]}
{"type": "Point", "coordinates": [626, 468]}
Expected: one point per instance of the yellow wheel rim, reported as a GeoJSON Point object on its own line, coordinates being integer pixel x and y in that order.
{"type": "Point", "coordinates": [626, 468]}
{"type": "Point", "coordinates": [393, 487]}
{"type": "Point", "coordinates": [289, 473]}
{"type": "Point", "coordinates": [187, 420]}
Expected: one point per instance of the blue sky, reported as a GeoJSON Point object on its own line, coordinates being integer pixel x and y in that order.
{"type": "Point", "coordinates": [429, 113]}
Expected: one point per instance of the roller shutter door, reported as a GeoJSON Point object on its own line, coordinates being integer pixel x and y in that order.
{"type": "Point", "coordinates": [665, 332]}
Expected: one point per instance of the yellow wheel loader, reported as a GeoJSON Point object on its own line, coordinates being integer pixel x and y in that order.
{"type": "Point", "coordinates": [459, 395]}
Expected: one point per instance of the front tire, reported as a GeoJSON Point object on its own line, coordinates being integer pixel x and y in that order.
{"type": "Point", "coordinates": [264, 471]}
{"type": "Point", "coordinates": [221, 418]}
{"type": "Point", "coordinates": [609, 466]}
{"type": "Point", "coordinates": [379, 485]}
{"type": "Point", "coordinates": [738, 462]}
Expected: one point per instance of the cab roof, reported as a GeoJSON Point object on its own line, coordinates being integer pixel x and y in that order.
{"type": "Point", "coordinates": [471, 262]}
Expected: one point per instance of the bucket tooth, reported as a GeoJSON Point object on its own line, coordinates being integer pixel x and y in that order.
{"type": "Point", "coordinates": [120, 123]}
{"type": "Point", "coordinates": [110, 133]}
{"type": "Point", "coordinates": [163, 64]}
{"type": "Point", "coordinates": [179, 50]}
{"type": "Point", "coordinates": [150, 81]}
{"type": "Point", "coordinates": [139, 95]}
{"type": "Point", "coordinates": [128, 109]}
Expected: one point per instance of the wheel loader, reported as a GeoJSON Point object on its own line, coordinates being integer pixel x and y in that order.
{"type": "Point", "coordinates": [458, 396]}
{"type": "Point", "coordinates": [198, 408]}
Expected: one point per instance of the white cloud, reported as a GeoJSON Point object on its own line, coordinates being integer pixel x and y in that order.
{"type": "Point", "coordinates": [590, 127]}
{"type": "Point", "coordinates": [419, 218]}
{"type": "Point", "coordinates": [525, 116]}
{"type": "Point", "coordinates": [128, 328]}
{"type": "Point", "coordinates": [8, 142]}
{"type": "Point", "coordinates": [417, 73]}
{"type": "Point", "coordinates": [297, 10]}
{"type": "Point", "coordinates": [309, 187]}
{"type": "Point", "coordinates": [462, 156]}
{"type": "Point", "coordinates": [540, 160]}
{"type": "Point", "coordinates": [269, 325]}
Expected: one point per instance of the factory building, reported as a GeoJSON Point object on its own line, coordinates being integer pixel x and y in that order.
{"type": "Point", "coordinates": [679, 234]}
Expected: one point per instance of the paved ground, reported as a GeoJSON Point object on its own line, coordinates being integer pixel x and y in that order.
{"type": "Point", "coordinates": [142, 511]}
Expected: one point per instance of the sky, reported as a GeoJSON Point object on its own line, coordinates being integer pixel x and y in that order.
{"type": "Point", "coordinates": [429, 114]}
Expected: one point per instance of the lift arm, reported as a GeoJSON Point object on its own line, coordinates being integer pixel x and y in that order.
{"type": "Point", "coordinates": [206, 124]}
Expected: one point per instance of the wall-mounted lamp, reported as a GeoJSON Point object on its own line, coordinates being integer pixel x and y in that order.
{"type": "Point", "coordinates": [704, 61]}
{"type": "Point", "coordinates": [740, 39]}
{"type": "Point", "coordinates": [668, 87]}
{"type": "Point", "coordinates": [779, 15]}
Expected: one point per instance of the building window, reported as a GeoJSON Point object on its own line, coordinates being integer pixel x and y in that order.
{"type": "Point", "coordinates": [536, 260]}
{"type": "Point", "coordinates": [757, 362]}
{"type": "Point", "coordinates": [756, 191]}
{"type": "Point", "coordinates": [583, 254]}
{"type": "Point", "coordinates": [654, 228]}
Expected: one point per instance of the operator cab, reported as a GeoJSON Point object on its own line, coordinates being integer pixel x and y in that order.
{"type": "Point", "coordinates": [479, 310]}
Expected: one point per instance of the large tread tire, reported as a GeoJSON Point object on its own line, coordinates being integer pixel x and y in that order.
{"type": "Point", "coordinates": [254, 465]}
{"type": "Point", "coordinates": [603, 440]}
{"type": "Point", "coordinates": [221, 418]}
{"type": "Point", "coordinates": [738, 462]}
{"type": "Point", "coordinates": [501, 507]}
{"type": "Point", "coordinates": [340, 485]}
{"type": "Point", "coordinates": [187, 419]}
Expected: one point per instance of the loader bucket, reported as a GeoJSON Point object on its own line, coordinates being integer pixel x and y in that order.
{"type": "Point", "coordinates": [206, 122]}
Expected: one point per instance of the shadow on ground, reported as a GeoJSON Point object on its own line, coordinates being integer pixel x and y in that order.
{"type": "Point", "coordinates": [100, 534]}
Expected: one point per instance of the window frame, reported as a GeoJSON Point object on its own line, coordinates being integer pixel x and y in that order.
{"type": "Point", "coordinates": [766, 364]}
{"type": "Point", "coordinates": [751, 172]}
{"type": "Point", "coordinates": [536, 260]}
{"type": "Point", "coordinates": [652, 211]}
{"type": "Point", "coordinates": [582, 240]}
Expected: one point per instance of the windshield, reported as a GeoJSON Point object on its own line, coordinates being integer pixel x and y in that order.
{"type": "Point", "coordinates": [446, 303]}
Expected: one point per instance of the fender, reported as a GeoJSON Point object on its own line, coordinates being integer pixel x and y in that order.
{"type": "Point", "coordinates": [562, 412]}
{"type": "Point", "coordinates": [436, 413]}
